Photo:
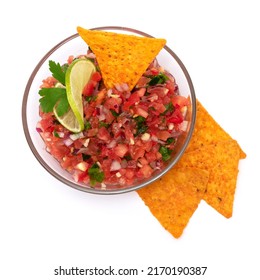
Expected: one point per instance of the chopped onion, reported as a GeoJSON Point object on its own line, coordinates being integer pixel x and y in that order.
{"type": "Point", "coordinates": [124, 163]}
{"type": "Point", "coordinates": [60, 133]}
{"type": "Point", "coordinates": [86, 142]}
{"type": "Point", "coordinates": [115, 165]}
{"type": "Point", "coordinates": [127, 94]}
{"type": "Point", "coordinates": [125, 87]}
{"type": "Point", "coordinates": [184, 125]}
{"type": "Point", "coordinates": [109, 92]}
{"type": "Point", "coordinates": [76, 136]}
{"type": "Point", "coordinates": [82, 150]}
{"type": "Point", "coordinates": [68, 142]}
{"type": "Point", "coordinates": [119, 87]}
{"type": "Point", "coordinates": [112, 144]}
{"type": "Point", "coordinates": [91, 55]}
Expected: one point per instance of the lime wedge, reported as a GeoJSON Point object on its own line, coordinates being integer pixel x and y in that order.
{"type": "Point", "coordinates": [77, 76]}
{"type": "Point", "coordinates": [68, 120]}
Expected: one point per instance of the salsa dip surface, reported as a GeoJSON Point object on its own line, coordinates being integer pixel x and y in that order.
{"type": "Point", "coordinates": [128, 133]}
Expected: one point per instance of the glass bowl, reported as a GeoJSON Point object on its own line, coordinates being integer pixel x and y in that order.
{"type": "Point", "coordinates": [74, 45]}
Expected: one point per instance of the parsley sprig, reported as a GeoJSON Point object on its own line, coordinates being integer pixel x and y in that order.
{"type": "Point", "coordinates": [51, 97]}
{"type": "Point", "coordinates": [57, 71]}
{"type": "Point", "coordinates": [55, 96]}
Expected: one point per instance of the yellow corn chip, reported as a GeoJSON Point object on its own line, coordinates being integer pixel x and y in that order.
{"type": "Point", "coordinates": [122, 58]}
{"type": "Point", "coordinates": [174, 198]}
{"type": "Point", "coordinates": [207, 131]}
{"type": "Point", "coordinates": [221, 160]}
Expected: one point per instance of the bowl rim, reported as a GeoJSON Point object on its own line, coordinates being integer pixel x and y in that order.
{"type": "Point", "coordinates": [89, 189]}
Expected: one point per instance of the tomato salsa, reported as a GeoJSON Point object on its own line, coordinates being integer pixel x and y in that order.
{"type": "Point", "coordinates": [127, 135]}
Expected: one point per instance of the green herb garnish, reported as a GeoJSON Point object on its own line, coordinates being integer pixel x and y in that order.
{"type": "Point", "coordinates": [86, 157]}
{"type": "Point", "coordinates": [58, 72]}
{"type": "Point", "coordinates": [87, 125]}
{"type": "Point", "coordinates": [165, 152]}
{"type": "Point", "coordinates": [57, 95]}
{"type": "Point", "coordinates": [103, 124]}
{"type": "Point", "coordinates": [168, 108]}
{"type": "Point", "coordinates": [114, 113]}
{"type": "Point", "coordinates": [50, 96]}
{"type": "Point", "coordinates": [141, 126]}
{"type": "Point", "coordinates": [158, 79]}
{"type": "Point", "coordinates": [95, 174]}
{"type": "Point", "coordinates": [56, 134]}
{"type": "Point", "coordinates": [170, 140]}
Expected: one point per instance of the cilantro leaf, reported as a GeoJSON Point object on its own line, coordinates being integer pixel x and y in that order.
{"type": "Point", "coordinates": [165, 152]}
{"type": "Point", "coordinates": [141, 126]}
{"type": "Point", "coordinates": [50, 97]}
{"type": "Point", "coordinates": [57, 71]}
{"type": "Point", "coordinates": [168, 108]}
{"type": "Point", "coordinates": [95, 174]}
{"type": "Point", "coordinates": [158, 79]}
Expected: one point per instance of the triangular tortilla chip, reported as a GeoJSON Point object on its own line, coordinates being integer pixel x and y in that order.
{"type": "Point", "coordinates": [221, 160]}
{"type": "Point", "coordinates": [207, 131]}
{"type": "Point", "coordinates": [173, 198]}
{"type": "Point", "coordinates": [122, 58]}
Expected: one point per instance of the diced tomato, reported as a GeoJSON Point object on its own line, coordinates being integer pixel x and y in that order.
{"type": "Point", "coordinates": [146, 170]}
{"type": "Point", "coordinates": [49, 82]}
{"type": "Point", "coordinates": [180, 101]}
{"type": "Point", "coordinates": [92, 132]}
{"type": "Point", "coordinates": [81, 176]}
{"type": "Point", "coordinates": [159, 91]}
{"type": "Point", "coordinates": [147, 145]}
{"type": "Point", "coordinates": [129, 136]}
{"type": "Point", "coordinates": [46, 123]}
{"type": "Point", "coordinates": [100, 96]}
{"type": "Point", "coordinates": [129, 174]}
{"type": "Point", "coordinates": [141, 112]}
{"type": "Point", "coordinates": [155, 71]}
{"type": "Point", "coordinates": [106, 166]}
{"type": "Point", "coordinates": [136, 152]}
{"type": "Point", "coordinates": [89, 88]}
{"type": "Point", "coordinates": [103, 134]}
{"type": "Point", "coordinates": [176, 117]}
{"type": "Point", "coordinates": [59, 151]}
{"type": "Point", "coordinates": [157, 107]}
{"type": "Point", "coordinates": [88, 110]}
{"type": "Point", "coordinates": [170, 85]}
{"type": "Point", "coordinates": [134, 98]}
{"type": "Point", "coordinates": [143, 81]}
{"type": "Point", "coordinates": [120, 150]}
{"type": "Point", "coordinates": [113, 104]}
{"type": "Point", "coordinates": [70, 59]}
{"type": "Point", "coordinates": [96, 76]}
{"type": "Point", "coordinates": [163, 135]}
{"type": "Point", "coordinates": [150, 156]}
{"type": "Point", "coordinates": [143, 161]}
{"type": "Point", "coordinates": [109, 117]}
{"type": "Point", "coordinates": [141, 92]}
{"type": "Point", "coordinates": [116, 129]}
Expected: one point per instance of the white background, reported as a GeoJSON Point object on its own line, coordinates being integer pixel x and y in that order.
{"type": "Point", "coordinates": [45, 224]}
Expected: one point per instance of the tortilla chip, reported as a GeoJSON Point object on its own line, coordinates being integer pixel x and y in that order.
{"type": "Point", "coordinates": [221, 161]}
{"type": "Point", "coordinates": [207, 131]}
{"type": "Point", "coordinates": [174, 198]}
{"type": "Point", "coordinates": [122, 58]}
